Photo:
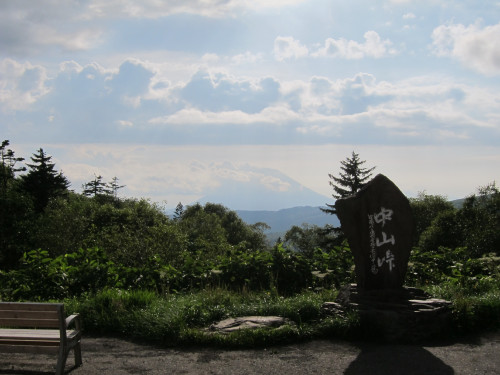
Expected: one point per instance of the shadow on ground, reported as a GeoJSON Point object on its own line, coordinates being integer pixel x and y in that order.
{"type": "Point", "coordinates": [396, 359]}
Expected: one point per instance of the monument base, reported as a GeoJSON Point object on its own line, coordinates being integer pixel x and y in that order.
{"type": "Point", "coordinates": [394, 315]}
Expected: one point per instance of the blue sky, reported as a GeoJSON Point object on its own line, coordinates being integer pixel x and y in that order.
{"type": "Point", "coordinates": [176, 98]}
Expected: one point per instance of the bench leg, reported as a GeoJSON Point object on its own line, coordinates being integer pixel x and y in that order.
{"type": "Point", "coordinates": [61, 361]}
{"type": "Point", "coordinates": [78, 354]}
{"type": "Point", "coordinates": [63, 356]}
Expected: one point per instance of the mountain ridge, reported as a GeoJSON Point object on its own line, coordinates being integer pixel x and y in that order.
{"type": "Point", "coordinates": [283, 219]}
{"type": "Point", "coordinates": [248, 188]}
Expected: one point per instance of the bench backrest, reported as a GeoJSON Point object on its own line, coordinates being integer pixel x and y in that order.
{"type": "Point", "coordinates": [33, 315]}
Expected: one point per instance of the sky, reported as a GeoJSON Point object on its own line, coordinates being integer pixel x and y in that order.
{"type": "Point", "coordinates": [178, 98]}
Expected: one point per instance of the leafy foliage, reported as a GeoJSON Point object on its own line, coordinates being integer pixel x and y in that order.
{"type": "Point", "coordinates": [165, 278]}
{"type": "Point", "coordinates": [285, 272]}
{"type": "Point", "coordinates": [474, 226]}
{"type": "Point", "coordinates": [425, 209]}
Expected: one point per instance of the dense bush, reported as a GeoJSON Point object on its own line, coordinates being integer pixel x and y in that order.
{"type": "Point", "coordinates": [445, 264]}
{"type": "Point", "coordinates": [425, 209]}
{"type": "Point", "coordinates": [42, 277]}
{"type": "Point", "coordinates": [39, 212]}
{"type": "Point", "coordinates": [475, 225]}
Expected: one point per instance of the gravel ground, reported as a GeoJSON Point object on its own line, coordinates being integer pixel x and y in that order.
{"type": "Point", "coordinates": [103, 355]}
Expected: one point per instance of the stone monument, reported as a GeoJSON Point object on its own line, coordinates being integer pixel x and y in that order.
{"type": "Point", "coordinates": [378, 224]}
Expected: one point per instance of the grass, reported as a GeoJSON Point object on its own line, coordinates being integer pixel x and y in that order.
{"type": "Point", "coordinates": [476, 304]}
{"type": "Point", "coordinates": [182, 319]}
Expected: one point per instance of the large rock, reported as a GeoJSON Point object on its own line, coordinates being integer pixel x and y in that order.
{"type": "Point", "coordinates": [378, 224]}
{"type": "Point", "coordinates": [248, 322]}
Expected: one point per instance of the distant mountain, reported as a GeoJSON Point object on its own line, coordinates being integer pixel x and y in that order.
{"type": "Point", "coordinates": [282, 220]}
{"type": "Point", "coordinates": [250, 188]}
{"type": "Point", "coordinates": [458, 203]}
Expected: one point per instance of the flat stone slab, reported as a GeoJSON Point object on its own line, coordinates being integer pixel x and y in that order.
{"type": "Point", "coordinates": [248, 322]}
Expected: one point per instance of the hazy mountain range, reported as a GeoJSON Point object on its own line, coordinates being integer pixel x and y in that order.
{"type": "Point", "coordinates": [249, 188]}
{"type": "Point", "coordinates": [282, 220]}
{"type": "Point", "coordinates": [269, 196]}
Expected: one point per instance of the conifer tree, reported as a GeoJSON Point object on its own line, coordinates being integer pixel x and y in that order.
{"type": "Point", "coordinates": [96, 187]}
{"type": "Point", "coordinates": [14, 209]}
{"type": "Point", "coordinates": [179, 210]}
{"type": "Point", "coordinates": [352, 178]}
{"type": "Point", "coordinates": [8, 166]}
{"type": "Point", "coordinates": [42, 181]}
{"type": "Point", "coordinates": [113, 187]}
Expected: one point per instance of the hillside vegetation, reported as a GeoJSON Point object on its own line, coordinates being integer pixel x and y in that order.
{"type": "Point", "coordinates": [131, 269]}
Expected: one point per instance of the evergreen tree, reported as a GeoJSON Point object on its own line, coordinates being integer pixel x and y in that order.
{"type": "Point", "coordinates": [42, 181]}
{"type": "Point", "coordinates": [113, 187]}
{"type": "Point", "coordinates": [15, 210]}
{"type": "Point", "coordinates": [7, 166]}
{"type": "Point", "coordinates": [96, 187]}
{"type": "Point", "coordinates": [179, 210]}
{"type": "Point", "coordinates": [352, 178]}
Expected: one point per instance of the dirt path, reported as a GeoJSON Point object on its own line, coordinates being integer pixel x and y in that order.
{"type": "Point", "coordinates": [113, 356]}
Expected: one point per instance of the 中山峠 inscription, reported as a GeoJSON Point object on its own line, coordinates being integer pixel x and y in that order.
{"type": "Point", "coordinates": [378, 224]}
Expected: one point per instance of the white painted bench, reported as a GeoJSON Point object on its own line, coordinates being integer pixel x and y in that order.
{"type": "Point", "coordinates": [27, 327]}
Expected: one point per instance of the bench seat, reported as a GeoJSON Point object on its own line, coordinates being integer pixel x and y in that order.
{"type": "Point", "coordinates": [39, 328]}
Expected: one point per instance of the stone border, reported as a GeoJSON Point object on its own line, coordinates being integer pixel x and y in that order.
{"type": "Point", "coordinates": [401, 315]}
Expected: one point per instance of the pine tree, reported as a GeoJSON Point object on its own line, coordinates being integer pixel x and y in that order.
{"type": "Point", "coordinates": [179, 211]}
{"type": "Point", "coordinates": [113, 187]}
{"type": "Point", "coordinates": [15, 209]}
{"type": "Point", "coordinates": [42, 181]}
{"type": "Point", "coordinates": [7, 166]}
{"type": "Point", "coordinates": [351, 179]}
{"type": "Point", "coordinates": [96, 187]}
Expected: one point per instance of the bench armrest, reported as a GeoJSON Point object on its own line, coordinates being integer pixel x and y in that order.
{"type": "Point", "coordinates": [74, 318]}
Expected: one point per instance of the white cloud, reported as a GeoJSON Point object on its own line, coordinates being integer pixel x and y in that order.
{"type": "Point", "coordinates": [247, 58]}
{"type": "Point", "coordinates": [125, 123]}
{"type": "Point", "coordinates": [275, 184]}
{"type": "Point", "coordinates": [157, 9]}
{"type": "Point", "coordinates": [193, 116]}
{"type": "Point", "coordinates": [288, 47]}
{"type": "Point", "coordinates": [259, 4]}
{"type": "Point", "coordinates": [409, 15]}
{"type": "Point", "coordinates": [358, 109]}
{"type": "Point", "coordinates": [210, 58]}
{"type": "Point", "coordinates": [79, 40]}
{"type": "Point", "coordinates": [130, 102]}
{"type": "Point", "coordinates": [216, 92]}
{"type": "Point", "coordinates": [477, 48]}
{"type": "Point", "coordinates": [373, 46]}
{"type": "Point", "coordinates": [21, 84]}
{"type": "Point", "coordinates": [31, 28]}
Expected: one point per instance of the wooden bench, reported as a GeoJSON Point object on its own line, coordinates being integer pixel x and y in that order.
{"type": "Point", "coordinates": [27, 327]}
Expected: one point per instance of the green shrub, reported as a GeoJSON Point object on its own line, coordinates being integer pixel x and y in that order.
{"type": "Point", "coordinates": [181, 319]}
